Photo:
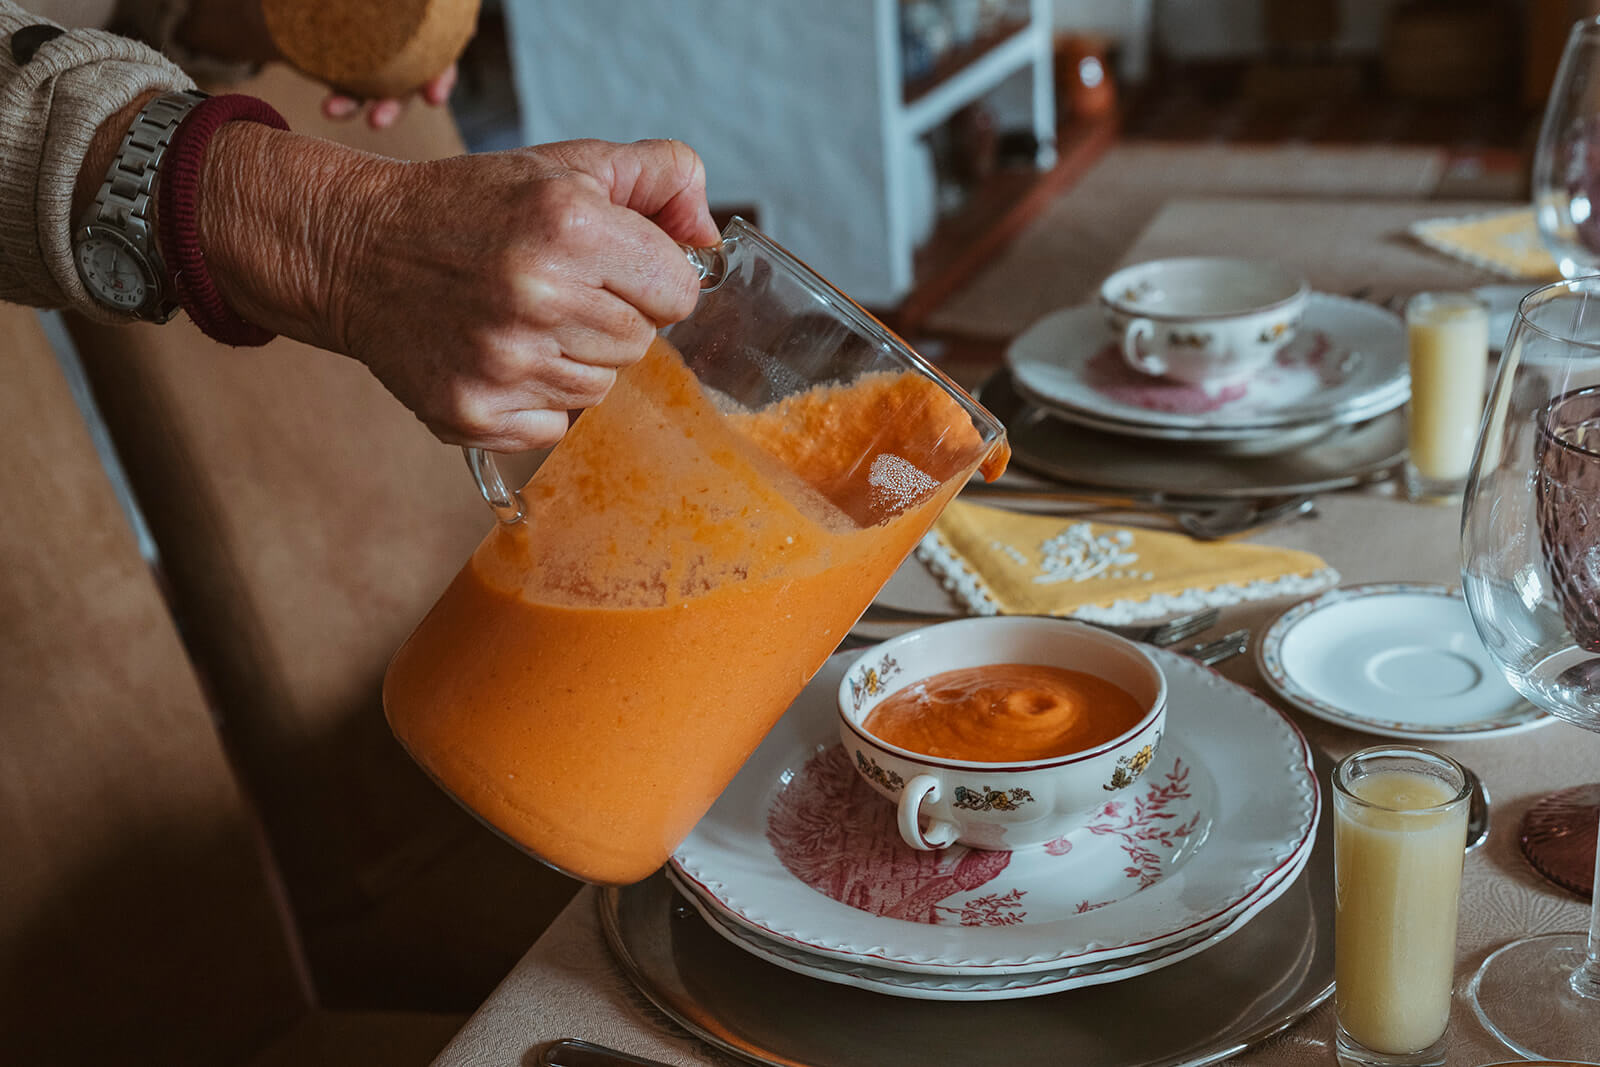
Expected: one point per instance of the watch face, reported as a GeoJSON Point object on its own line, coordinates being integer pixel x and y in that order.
{"type": "Point", "coordinates": [113, 272]}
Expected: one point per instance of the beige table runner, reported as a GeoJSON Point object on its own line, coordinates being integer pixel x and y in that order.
{"type": "Point", "coordinates": [1340, 246]}
{"type": "Point", "coordinates": [567, 985]}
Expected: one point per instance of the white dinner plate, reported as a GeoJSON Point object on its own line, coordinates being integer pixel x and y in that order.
{"type": "Point", "coordinates": [1394, 659]}
{"type": "Point", "coordinates": [1346, 364]}
{"type": "Point", "coordinates": [801, 851]}
{"type": "Point", "coordinates": [1009, 986]}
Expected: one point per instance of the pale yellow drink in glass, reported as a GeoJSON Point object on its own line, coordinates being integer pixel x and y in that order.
{"type": "Point", "coordinates": [1447, 341]}
{"type": "Point", "coordinates": [1400, 829]}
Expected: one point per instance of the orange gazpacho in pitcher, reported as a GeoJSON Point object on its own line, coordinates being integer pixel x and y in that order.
{"type": "Point", "coordinates": [597, 673]}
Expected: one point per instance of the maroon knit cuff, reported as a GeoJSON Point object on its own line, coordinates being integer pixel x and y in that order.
{"type": "Point", "coordinates": [180, 236]}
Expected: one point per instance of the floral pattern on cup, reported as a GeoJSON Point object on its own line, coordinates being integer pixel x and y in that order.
{"type": "Point", "coordinates": [1278, 331]}
{"type": "Point", "coordinates": [1131, 766]}
{"type": "Point", "coordinates": [869, 682]}
{"type": "Point", "coordinates": [868, 766]}
{"type": "Point", "coordinates": [985, 799]}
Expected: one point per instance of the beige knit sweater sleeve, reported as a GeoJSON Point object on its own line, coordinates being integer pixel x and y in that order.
{"type": "Point", "coordinates": [50, 107]}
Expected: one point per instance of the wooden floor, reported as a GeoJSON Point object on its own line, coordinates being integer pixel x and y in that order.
{"type": "Point", "coordinates": [1260, 103]}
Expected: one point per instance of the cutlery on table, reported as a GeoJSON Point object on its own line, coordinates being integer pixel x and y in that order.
{"type": "Point", "coordinates": [1169, 632]}
{"type": "Point", "coordinates": [1210, 653]}
{"type": "Point", "coordinates": [1202, 519]}
{"type": "Point", "coordinates": [571, 1052]}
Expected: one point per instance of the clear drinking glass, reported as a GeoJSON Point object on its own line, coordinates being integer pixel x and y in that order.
{"type": "Point", "coordinates": [1566, 161]}
{"type": "Point", "coordinates": [1530, 561]}
{"type": "Point", "coordinates": [1399, 839]}
{"type": "Point", "coordinates": [1447, 345]}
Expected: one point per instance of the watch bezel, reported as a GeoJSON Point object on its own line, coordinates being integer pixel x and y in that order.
{"type": "Point", "coordinates": [150, 308]}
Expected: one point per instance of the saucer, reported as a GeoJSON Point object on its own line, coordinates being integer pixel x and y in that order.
{"type": "Point", "coordinates": [1394, 659]}
{"type": "Point", "coordinates": [1346, 364]}
{"type": "Point", "coordinates": [1060, 450]}
{"type": "Point", "coordinates": [1008, 986]}
{"type": "Point", "coordinates": [799, 850]}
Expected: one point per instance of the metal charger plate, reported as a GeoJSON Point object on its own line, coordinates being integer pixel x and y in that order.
{"type": "Point", "coordinates": [1210, 1006]}
{"type": "Point", "coordinates": [1054, 448]}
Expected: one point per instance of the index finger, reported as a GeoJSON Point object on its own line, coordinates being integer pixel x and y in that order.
{"type": "Point", "coordinates": [663, 180]}
{"type": "Point", "coordinates": [644, 266]}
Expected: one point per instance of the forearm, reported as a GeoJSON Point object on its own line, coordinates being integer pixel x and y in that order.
{"type": "Point", "coordinates": [286, 223]}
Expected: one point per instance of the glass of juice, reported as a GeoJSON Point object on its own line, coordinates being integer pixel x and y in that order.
{"type": "Point", "coordinates": [1400, 833]}
{"type": "Point", "coordinates": [1447, 343]}
{"type": "Point", "coordinates": [677, 569]}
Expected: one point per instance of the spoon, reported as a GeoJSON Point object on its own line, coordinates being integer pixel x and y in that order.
{"type": "Point", "coordinates": [1477, 811]}
{"type": "Point", "coordinates": [1241, 516]}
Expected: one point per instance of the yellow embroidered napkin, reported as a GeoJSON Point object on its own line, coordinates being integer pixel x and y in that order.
{"type": "Point", "coordinates": [1506, 242]}
{"type": "Point", "coordinates": [998, 562]}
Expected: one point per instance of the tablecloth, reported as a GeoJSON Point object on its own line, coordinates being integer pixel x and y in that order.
{"type": "Point", "coordinates": [568, 986]}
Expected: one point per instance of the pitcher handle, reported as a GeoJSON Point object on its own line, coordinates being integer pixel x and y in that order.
{"type": "Point", "coordinates": [710, 266]}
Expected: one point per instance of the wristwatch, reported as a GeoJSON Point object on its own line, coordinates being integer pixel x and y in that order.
{"type": "Point", "coordinates": [115, 244]}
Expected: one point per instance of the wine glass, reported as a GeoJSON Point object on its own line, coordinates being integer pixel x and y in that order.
{"type": "Point", "coordinates": [1566, 197]}
{"type": "Point", "coordinates": [1566, 161]}
{"type": "Point", "coordinates": [1530, 541]}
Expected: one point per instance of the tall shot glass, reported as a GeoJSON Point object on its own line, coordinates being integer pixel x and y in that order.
{"type": "Point", "coordinates": [1447, 342]}
{"type": "Point", "coordinates": [1399, 833]}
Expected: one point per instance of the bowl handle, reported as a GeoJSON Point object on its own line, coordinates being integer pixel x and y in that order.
{"type": "Point", "coordinates": [1138, 331]}
{"type": "Point", "coordinates": [940, 834]}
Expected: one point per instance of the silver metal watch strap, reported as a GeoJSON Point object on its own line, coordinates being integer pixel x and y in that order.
{"type": "Point", "coordinates": [127, 195]}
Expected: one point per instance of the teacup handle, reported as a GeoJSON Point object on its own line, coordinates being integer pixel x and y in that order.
{"type": "Point", "coordinates": [940, 834]}
{"type": "Point", "coordinates": [711, 267]}
{"type": "Point", "coordinates": [1137, 331]}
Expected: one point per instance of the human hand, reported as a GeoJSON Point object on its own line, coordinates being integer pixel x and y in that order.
{"type": "Point", "coordinates": [490, 293]}
{"type": "Point", "coordinates": [381, 114]}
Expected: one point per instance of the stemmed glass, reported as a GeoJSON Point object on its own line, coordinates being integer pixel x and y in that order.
{"type": "Point", "coordinates": [1566, 161]}
{"type": "Point", "coordinates": [1566, 198]}
{"type": "Point", "coordinates": [1531, 573]}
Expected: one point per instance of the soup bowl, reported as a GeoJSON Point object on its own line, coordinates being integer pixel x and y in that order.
{"type": "Point", "coordinates": [1001, 804]}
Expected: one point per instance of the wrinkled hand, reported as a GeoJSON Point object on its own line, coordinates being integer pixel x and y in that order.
{"type": "Point", "coordinates": [381, 114]}
{"type": "Point", "coordinates": [499, 291]}
{"type": "Point", "coordinates": [490, 293]}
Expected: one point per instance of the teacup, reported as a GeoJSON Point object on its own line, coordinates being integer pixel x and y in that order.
{"type": "Point", "coordinates": [1000, 805]}
{"type": "Point", "coordinates": [1203, 320]}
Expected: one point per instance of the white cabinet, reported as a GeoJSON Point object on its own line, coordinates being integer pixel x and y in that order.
{"type": "Point", "coordinates": [797, 108]}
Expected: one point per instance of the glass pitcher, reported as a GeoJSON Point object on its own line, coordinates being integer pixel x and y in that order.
{"type": "Point", "coordinates": [680, 565]}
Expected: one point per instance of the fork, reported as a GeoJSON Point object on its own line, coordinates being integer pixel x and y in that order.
{"type": "Point", "coordinates": [1169, 632]}
{"type": "Point", "coordinates": [1211, 653]}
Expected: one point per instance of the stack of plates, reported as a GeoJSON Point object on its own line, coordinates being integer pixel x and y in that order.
{"type": "Point", "coordinates": [1346, 365]}
{"type": "Point", "coordinates": [799, 862]}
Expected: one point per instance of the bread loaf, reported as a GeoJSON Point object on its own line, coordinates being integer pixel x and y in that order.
{"type": "Point", "coordinates": [371, 48]}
